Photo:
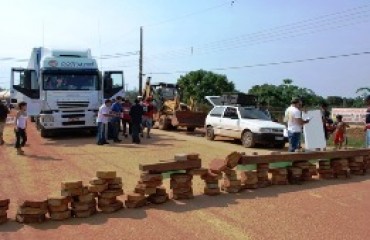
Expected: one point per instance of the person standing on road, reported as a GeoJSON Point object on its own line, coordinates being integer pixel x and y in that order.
{"type": "Point", "coordinates": [293, 117]}
{"type": "Point", "coordinates": [4, 111]}
{"type": "Point", "coordinates": [20, 125]}
{"type": "Point", "coordinates": [116, 119]}
{"type": "Point", "coordinates": [126, 119]}
{"type": "Point", "coordinates": [136, 114]}
{"type": "Point", "coordinates": [148, 115]}
{"type": "Point", "coordinates": [367, 121]}
{"type": "Point", "coordinates": [102, 120]}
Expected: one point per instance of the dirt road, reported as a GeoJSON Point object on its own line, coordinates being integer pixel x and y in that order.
{"type": "Point", "coordinates": [336, 209]}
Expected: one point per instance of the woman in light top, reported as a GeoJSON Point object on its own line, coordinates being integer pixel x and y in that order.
{"type": "Point", "coordinates": [20, 125]}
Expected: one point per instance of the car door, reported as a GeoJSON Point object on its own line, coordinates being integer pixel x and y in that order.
{"type": "Point", "coordinates": [214, 119]}
{"type": "Point", "coordinates": [230, 123]}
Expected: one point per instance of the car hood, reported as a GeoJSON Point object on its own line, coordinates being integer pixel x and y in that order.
{"type": "Point", "coordinates": [262, 123]}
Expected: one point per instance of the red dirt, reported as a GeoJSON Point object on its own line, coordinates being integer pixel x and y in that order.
{"type": "Point", "coordinates": [331, 209]}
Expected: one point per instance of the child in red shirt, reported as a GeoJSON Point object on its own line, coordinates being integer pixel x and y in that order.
{"type": "Point", "coordinates": [340, 131]}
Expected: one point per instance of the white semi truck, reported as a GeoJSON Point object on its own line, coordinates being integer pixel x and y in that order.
{"type": "Point", "coordinates": [63, 89]}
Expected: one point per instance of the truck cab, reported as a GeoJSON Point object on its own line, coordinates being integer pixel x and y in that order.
{"type": "Point", "coordinates": [63, 89]}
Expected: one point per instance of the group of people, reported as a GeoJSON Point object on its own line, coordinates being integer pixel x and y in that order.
{"type": "Point", "coordinates": [133, 117]}
{"type": "Point", "coordinates": [295, 122]}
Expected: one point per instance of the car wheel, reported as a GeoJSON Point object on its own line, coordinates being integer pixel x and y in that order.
{"type": "Point", "coordinates": [210, 134]}
{"type": "Point", "coordinates": [248, 139]}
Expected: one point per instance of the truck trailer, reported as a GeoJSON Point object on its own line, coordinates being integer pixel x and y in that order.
{"type": "Point", "coordinates": [63, 89]}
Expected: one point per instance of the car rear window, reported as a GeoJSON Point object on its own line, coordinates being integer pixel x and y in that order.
{"type": "Point", "coordinates": [217, 112]}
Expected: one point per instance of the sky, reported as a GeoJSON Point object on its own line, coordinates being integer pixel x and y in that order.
{"type": "Point", "coordinates": [252, 42]}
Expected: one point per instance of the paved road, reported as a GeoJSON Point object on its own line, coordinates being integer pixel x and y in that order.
{"type": "Point", "coordinates": [335, 209]}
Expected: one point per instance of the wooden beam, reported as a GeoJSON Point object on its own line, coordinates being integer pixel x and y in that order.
{"type": "Point", "coordinates": [302, 156]}
{"type": "Point", "coordinates": [171, 166]}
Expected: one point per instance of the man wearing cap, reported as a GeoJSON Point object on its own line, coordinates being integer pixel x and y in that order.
{"type": "Point", "coordinates": [367, 121]}
{"type": "Point", "coordinates": [293, 117]}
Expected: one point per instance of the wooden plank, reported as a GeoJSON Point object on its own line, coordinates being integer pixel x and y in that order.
{"type": "Point", "coordinates": [171, 166]}
{"type": "Point", "coordinates": [302, 156]}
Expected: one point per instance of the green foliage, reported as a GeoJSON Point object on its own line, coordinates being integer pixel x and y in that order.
{"type": "Point", "coordinates": [198, 84]}
{"type": "Point", "coordinates": [281, 95]}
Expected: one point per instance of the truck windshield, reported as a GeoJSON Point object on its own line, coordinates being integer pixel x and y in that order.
{"type": "Point", "coordinates": [71, 81]}
{"type": "Point", "coordinates": [253, 113]}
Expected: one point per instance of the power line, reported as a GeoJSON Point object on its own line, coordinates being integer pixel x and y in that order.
{"type": "Point", "coordinates": [322, 23]}
{"type": "Point", "coordinates": [269, 64]}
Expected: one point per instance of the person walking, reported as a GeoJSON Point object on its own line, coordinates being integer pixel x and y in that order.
{"type": "Point", "coordinates": [148, 115]}
{"type": "Point", "coordinates": [126, 119]}
{"type": "Point", "coordinates": [136, 114]}
{"type": "Point", "coordinates": [20, 125]}
{"type": "Point", "coordinates": [293, 117]}
{"type": "Point", "coordinates": [116, 119]}
{"type": "Point", "coordinates": [102, 120]}
{"type": "Point", "coordinates": [4, 111]}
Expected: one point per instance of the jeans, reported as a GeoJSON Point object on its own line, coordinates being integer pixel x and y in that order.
{"type": "Point", "coordinates": [116, 125]}
{"type": "Point", "coordinates": [101, 133]}
{"type": "Point", "coordinates": [21, 138]}
{"type": "Point", "coordinates": [124, 125]}
{"type": "Point", "coordinates": [294, 140]}
{"type": "Point", "coordinates": [135, 132]}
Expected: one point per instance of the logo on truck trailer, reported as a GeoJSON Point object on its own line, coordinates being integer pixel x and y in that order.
{"type": "Point", "coordinates": [71, 64]}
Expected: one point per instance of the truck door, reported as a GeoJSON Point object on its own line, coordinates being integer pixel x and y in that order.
{"type": "Point", "coordinates": [113, 84]}
{"type": "Point", "coordinates": [24, 87]}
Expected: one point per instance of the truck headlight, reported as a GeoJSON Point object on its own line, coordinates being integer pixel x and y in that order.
{"type": "Point", "coordinates": [265, 130]}
{"type": "Point", "coordinates": [47, 118]}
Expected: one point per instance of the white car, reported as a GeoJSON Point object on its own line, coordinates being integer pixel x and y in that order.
{"type": "Point", "coordinates": [248, 124]}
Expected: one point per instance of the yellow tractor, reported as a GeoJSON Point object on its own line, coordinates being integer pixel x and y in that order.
{"type": "Point", "coordinates": [171, 113]}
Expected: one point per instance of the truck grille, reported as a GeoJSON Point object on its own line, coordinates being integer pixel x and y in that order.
{"type": "Point", "coordinates": [73, 123]}
{"type": "Point", "coordinates": [72, 104]}
{"type": "Point", "coordinates": [73, 115]}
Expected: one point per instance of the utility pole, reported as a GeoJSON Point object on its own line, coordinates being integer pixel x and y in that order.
{"type": "Point", "coordinates": [141, 62]}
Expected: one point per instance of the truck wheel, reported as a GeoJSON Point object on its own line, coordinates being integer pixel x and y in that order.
{"type": "Point", "coordinates": [248, 139]}
{"type": "Point", "coordinates": [190, 129]}
{"type": "Point", "coordinates": [280, 145]}
{"type": "Point", "coordinates": [210, 134]}
{"type": "Point", "coordinates": [44, 133]}
{"type": "Point", "coordinates": [33, 119]}
{"type": "Point", "coordinates": [163, 123]}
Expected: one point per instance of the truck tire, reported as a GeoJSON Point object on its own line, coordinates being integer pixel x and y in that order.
{"type": "Point", "coordinates": [163, 123]}
{"type": "Point", "coordinates": [190, 129]}
{"type": "Point", "coordinates": [210, 134]}
{"type": "Point", "coordinates": [280, 145]}
{"type": "Point", "coordinates": [44, 133]}
{"type": "Point", "coordinates": [33, 119]}
{"type": "Point", "coordinates": [248, 139]}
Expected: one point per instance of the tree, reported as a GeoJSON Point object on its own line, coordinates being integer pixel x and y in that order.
{"type": "Point", "coordinates": [281, 95]}
{"type": "Point", "coordinates": [201, 83]}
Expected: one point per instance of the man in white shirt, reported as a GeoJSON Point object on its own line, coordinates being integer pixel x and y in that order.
{"type": "Point", "coordinates": [293, 117]}
{"type": "Point", "coordinates": [102, 120]}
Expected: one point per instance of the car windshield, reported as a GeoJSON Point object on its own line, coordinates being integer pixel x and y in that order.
{"type": "Point", "coordinates": [253, 113]}
{"type": "Point", "coordinates": [65, 81]}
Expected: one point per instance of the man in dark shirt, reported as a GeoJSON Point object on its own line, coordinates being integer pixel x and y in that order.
{"type": "Point", "coordinates": [136, 114]}
{"type": "Point", "coordinates": [4, 111]}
